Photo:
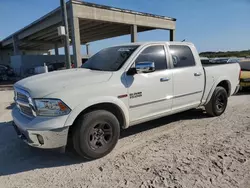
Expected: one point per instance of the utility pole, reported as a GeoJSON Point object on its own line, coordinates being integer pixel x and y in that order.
{"type": "Point", "coordinates": [87, 49]}
{"type": "Point", "coordinates": [66, 36]}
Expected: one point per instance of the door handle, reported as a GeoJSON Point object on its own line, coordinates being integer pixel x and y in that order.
{"type": "Point", "coordinates": [164, 79]}
{"type": "Point", "coordinates": [197, 74]}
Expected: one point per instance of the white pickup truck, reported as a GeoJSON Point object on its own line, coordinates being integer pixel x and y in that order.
{"type": "Point", "coordinates": [116, 88]}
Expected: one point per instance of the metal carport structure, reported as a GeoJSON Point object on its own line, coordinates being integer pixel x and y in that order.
{"type": "Point", "coordinates": [88, 22]}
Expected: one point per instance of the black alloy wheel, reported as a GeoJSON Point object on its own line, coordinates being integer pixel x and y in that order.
{"type": "Point", "coordinates": [95, 134]}
{"type": "Point", "coordinates": [100, 135]}
{"type": "Point", "coordinates": [218, 102]}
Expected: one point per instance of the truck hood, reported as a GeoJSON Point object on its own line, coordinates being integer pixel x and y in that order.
{"type": "Point", "coordinates": [44, 84]}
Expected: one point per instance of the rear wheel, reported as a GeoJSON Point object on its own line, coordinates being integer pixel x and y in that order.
{"type": "Point", "coordinates": [96, 134]}
{"type": "Point", "coordinates": [218, 103]}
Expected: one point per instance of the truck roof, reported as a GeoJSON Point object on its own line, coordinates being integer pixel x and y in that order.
{"type": "Point", "coordinates": [156, 42]}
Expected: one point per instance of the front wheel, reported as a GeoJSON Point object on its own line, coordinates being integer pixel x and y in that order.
{"type": "Point", "coordinates": [218, 103]}
{"type": "Point", "coordinates": [95, 134]}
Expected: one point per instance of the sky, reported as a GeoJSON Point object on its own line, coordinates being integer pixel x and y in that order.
{"type": "Point", "coordinates": [212, 25]}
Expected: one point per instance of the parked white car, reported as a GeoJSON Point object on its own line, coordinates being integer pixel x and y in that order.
{"type": "Point", "coordinates": [118, 87]}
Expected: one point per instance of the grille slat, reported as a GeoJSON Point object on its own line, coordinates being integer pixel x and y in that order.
{"type": "Point", "coordinates": [26, 110]}
{"type": "Point", "coordinates": [22, 97]}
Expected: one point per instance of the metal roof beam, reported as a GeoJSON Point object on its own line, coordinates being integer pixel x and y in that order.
{"type": "Point", "coordinates": [112, 15]}
{"type": "Point", "coordinates": [41, 41]}
{"type": "Point", "coordinates": [44, 33]}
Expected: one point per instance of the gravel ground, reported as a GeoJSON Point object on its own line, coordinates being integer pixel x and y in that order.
{"type": "Point", "coordinates": [184, 150]}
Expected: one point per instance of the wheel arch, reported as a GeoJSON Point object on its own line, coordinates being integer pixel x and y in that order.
{"type": "Point", "coordinates": [115, 106]}
{"type": "Point", "coordinates": [223, 82]}
{"type": "Point", "coordinates": [226, 85]}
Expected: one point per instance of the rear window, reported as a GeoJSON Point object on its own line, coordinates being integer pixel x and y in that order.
{"type": "Point", "coordinates": [182, 56]}
{"type": "Point", "coordinates": [245, 66]}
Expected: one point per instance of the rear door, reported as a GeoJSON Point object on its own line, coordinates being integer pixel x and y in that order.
{"type": "Point", "coordinates": [150, 93]}
{"type": "Point", "coordinates": [188, 78]}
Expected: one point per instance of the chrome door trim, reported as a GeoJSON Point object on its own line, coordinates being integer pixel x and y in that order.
{"type": "Point", "coordinates": [187, 94]}
{"type": "Point", "coordinates": [151, 102]}
{"type": "Point", "coordinates": [167, 98]}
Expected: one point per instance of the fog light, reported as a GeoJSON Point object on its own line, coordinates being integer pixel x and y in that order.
{"type": "Point", "coordinates": [40, 139]}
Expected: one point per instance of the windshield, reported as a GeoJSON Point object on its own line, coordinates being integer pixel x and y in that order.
{"type": "Point", "coordinates": [110, 59]}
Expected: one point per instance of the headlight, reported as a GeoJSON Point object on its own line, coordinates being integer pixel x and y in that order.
{"type": "Point", "coordinates": [51, 107]}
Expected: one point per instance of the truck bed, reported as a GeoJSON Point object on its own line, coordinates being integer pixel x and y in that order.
{"type": "Point", "coordinates": [214, 64]}
{"type": "Point", "coordinates": [216, 72]}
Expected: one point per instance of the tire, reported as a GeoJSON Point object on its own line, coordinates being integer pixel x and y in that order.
{"type": "Point", "coordinates": [218, 102]}
{"type": "Point", "coordinates": [95, 134]}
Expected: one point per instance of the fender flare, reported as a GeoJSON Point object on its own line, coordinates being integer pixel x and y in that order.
{"type": "Point", "coordinates": [221, 79]}
{"type": "Point", "coordinates": [94, 101]}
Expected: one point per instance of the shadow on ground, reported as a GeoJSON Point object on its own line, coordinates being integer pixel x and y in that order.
{"type": "Point", "coordinates": [17, 157]}
{"type": "Point", "coordinates": [192, 114]}
{"type": "Point", "coordinates": [244, 92]}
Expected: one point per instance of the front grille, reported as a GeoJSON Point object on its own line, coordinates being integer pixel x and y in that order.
{"type": "Point", "coordinates": [22, 97]}
{"type": "Point", "coordinates": [26, 110]}
{"type": "Point", "coordinates": [23, 102]}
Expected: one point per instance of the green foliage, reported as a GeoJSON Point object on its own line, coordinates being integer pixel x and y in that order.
{"type": "Point", "coordinates": [245, 53]}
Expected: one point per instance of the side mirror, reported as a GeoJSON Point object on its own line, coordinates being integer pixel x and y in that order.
{"type": "Point", "coordinates": [145, 67]}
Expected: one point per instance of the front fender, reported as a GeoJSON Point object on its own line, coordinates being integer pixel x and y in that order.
{"type": "Point", "coordinates": [108, 99]}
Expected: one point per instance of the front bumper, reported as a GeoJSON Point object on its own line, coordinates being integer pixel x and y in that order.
{"type": "Point", "coordinates": [52, 135]}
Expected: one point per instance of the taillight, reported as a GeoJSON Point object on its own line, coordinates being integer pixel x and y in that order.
{"type": "Point", "coordinates": [240, 75]}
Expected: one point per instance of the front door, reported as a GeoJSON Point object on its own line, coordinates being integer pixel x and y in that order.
{"type": "Point", "coordinates": [150, 93]}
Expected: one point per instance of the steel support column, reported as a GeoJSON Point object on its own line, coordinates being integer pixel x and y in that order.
{"type": "Point", "coordinates": [15, 45]}
{"type": "Point", "coordinates": [76, 42]}
{"type": "Point", "coordinates": [66, 38]}
{"type": "Point", "coordinates": [87, 49]}
{"type": "Point", "coordinates": [56, 49]}
{"type": "Point", "coordinates": [172, 35]}
{"type": "Point", "coordinates": [133, 33]}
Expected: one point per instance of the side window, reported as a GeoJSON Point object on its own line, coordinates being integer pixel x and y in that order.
{"type": "Point", "coordinates": [182, 56]}
{"type": "Point", "coordinates": [154, 54]}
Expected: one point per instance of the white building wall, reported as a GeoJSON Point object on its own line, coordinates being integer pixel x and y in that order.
{"type": "Point", "coordinates": [5, 55]}
{"type": "Point", "coordinates": [23, 63]}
